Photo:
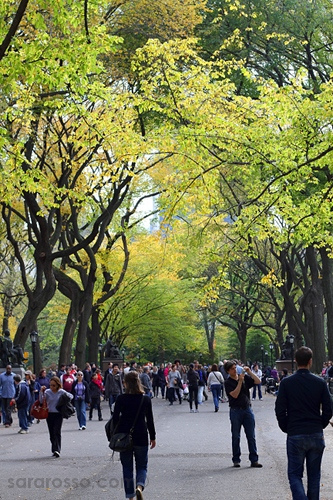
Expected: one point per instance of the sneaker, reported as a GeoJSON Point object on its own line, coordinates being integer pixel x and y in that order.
{"type": "Point", "coordinates": [83, 427]}
{"type": "Point", "coordinates": [260, 399]}
{"type": "Point", "coordinates": [196, 411]}
{"type": "Point", "coordinates": [138, 493]}
{"type": "Point", "coordinates": [191, 411]}
{"type": "Point", "coordinates": [257, 465]}
{"type": "Point", "coordinates": [90, 418]}
{"type": "Point", "coordinates": [22, 431]}
{"type": "Point", "coordinates": [236, 464]}
{"type": "Point", "coordinates": [56, 454]}
{"type": "Point", "coordinates": [80, 428]}
{"type": "Point", "coordinates": [100, 419]}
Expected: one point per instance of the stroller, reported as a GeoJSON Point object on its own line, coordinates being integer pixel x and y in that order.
{"type": "Point", "coordinates": [271, 386]}
{"type": "Point", "coordinates": [185, 392]}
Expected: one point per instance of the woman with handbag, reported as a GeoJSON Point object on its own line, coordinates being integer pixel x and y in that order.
{"type": "Point", "coordinates": [54, 419]}
{"type": "Point", "coordinates": [134, 407]}
{"type": "Point", "coordinates": [214, 382]}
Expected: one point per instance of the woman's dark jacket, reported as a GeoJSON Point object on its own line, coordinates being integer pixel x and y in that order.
{"type": "Point", "coordinates": [94, 390]}
{"type": "Point", "coordinates": [192, 378]}
{"type": "Point", "coordinates": [161, 377]}
{"type": "Point", "coordinates": [125, 410]}
{"type": "Point", "coordinates": [86, 391]}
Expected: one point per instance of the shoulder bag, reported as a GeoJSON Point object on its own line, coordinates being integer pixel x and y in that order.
{"type": "Point", "coordinates": [219, 381]}
{"type": "Point", "coordinates": [123, 441]}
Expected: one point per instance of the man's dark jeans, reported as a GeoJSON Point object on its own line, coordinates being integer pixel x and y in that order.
{"type": "Point", "coordinates": [7, 411]}
{"type": "Point", "coordinates": [309, 448]}
{"type": "Point", "coordinates": [238, 418]}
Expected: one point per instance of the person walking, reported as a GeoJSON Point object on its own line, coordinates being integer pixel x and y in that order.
{"type": "Point", "coordinates": [256, 370]}
{"type": "Point", "coordinates": [22, 400]}
{"type": "Point", "coordinates": [113, 386]}
{"type": "Point", "coordinates": [80, 391]}
{"type": "Point", "coordinates": [54, 419]}
{"type": "Point", "coordinates": [7, 391]}
{"type": "Point", "coordinates": [215, 382]}
{"type": "Point", "coordinates": [238, 387]}
{"type": "Point", "coordinates": [201, 384]}
{"type": "Point", "coordinates": [125, 411]}
{"type": "Point", "coordinates": [173, 385]}
{"type": "Point", "coordinates": [161, 380]}
{"type": "Point", "coordinates": [303, 409]}
{"type": "Point", "coordinates": [146, 381]}
{"type": "Point", "coordinates": [95, 389]}
{"type": "Point", "coordinates": [192, 380]}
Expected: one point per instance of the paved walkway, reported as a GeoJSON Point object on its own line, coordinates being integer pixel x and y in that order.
{"type": "Point", "coordinates": [192, 459]}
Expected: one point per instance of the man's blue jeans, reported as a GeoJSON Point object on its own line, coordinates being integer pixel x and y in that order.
{"type": "Point", "coordinates": [140, 454]}
{"type": "Point", "coordinates": [309, 448]}
{"type": "Point", "coordinates": [245, 418]}
{"type": "Point", "coordinates": [216, 393]}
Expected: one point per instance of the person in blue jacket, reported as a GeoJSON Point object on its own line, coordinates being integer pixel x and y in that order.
{"type": "Point", "coordinates": [7, 389]}
{"type": "Point", "coordinates": [23, 400]}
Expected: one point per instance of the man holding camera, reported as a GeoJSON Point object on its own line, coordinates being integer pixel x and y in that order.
{"type": "Point", "coordinates": [238, 387]}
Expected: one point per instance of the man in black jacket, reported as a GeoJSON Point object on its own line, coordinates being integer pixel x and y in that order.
{"type": "Point", "coordinates": [113, 386]}
{"type": "Point", "coordinates": [303, 410]}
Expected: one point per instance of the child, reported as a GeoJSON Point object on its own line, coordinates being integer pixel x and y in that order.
{"type": "Point", "coordinates": [95, 389]}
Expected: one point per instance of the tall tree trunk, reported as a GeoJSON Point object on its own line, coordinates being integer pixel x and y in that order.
{"type": "Point", "coordinates": [242, 334]}
{"type": "Point", "coordinates": [68, 287]}
{"type": "Point", "coordinates": [93, 337]}
{"type": "Point", "coordinates": [327, 279]}
{"type": "Point", "coordinates": [314, 312]}
{"type": "Point", "coordinates": [209, 324]}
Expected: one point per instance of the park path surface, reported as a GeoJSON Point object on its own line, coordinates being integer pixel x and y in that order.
{"type": "Point", "coordinates": [192, 459]}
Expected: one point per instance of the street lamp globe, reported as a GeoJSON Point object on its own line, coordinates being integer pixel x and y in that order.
{"type": "Point", "coordinates": [33, 337]}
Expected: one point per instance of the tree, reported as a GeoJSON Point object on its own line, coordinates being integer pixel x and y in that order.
{"type": "Point", "coordinates": [274, 40]}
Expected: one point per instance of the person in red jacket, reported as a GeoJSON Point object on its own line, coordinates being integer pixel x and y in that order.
{"type": "Point", "coordinates": [67, 379]}
{"type": "Point", "coordinates": [95, 389]}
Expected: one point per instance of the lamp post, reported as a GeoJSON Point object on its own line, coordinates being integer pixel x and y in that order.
{"type": "Point", "coordinates": [271, 346]}
{"type": "Point", "coordinates": [200, 358]}
{"type": "Point", "coordinates": [123, 353]}
{"type": "Point", "coordinates": [266, 357]}
{"type": "Point", "coordinates": [100, 350]}
{"type": "Point", "coordinates": [262, 356]}
{"type": "Point", "coordinates": [139, 356]}
{"type": "Point", "coordinates": [34, 338]}
{"type": "Point", "coordinates": [292, 340]}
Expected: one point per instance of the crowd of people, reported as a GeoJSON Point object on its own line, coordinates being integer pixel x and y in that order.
{"type": "Point", "coordinates": [129, 389]}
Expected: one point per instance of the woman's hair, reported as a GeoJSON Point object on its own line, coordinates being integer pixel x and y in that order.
{"type": "Point", "coordinates": [57, 381]}
{"type": "Point", "coordinates": [41, 371]}
{"type": "Point", "coordinates": [214, 368]}
{"type": "Point", "coordinates": [133, 384]}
